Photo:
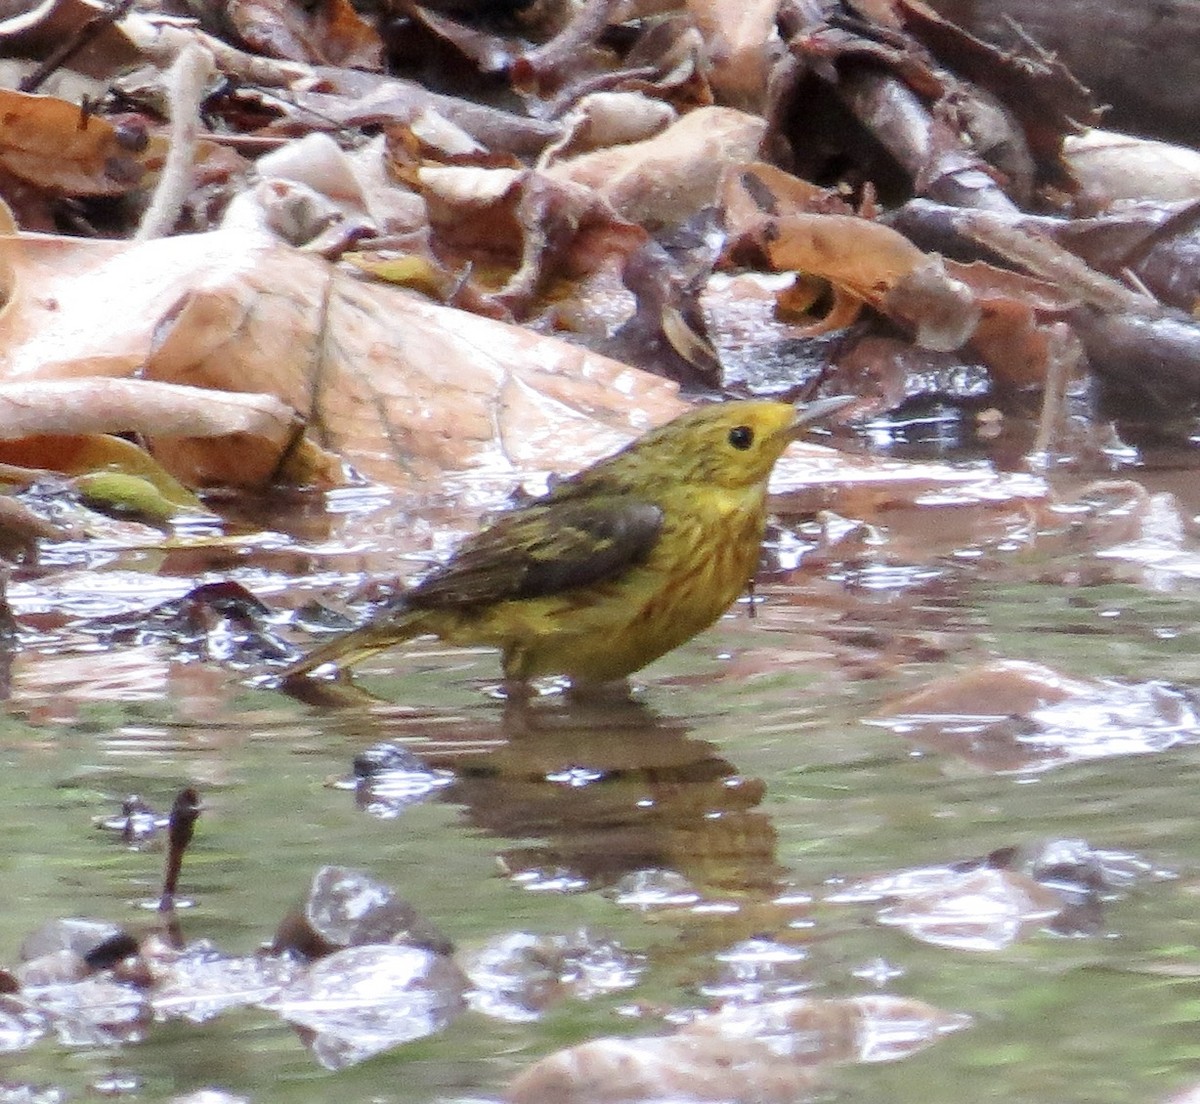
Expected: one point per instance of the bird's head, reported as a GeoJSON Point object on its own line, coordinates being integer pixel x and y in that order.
{"type": "Point", "coordinates": [732, 444]}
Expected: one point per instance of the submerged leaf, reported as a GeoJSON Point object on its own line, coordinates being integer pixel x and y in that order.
{"type": "Point", "coordinates": [1015, 715]}
{"type": "Point", "coordinates": [981, 910]}
{"type": "Point", "coordinates": [767, 1053]}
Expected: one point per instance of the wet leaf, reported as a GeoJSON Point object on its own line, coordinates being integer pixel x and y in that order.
{"type": "Point", "coordinates": [201, 983]}
{"type": "Point", "coordinates": [1014, 715]}
{"type": "Point", "coordinates": [518, 976]}
{"type": "Point", "coordinates": [80, 456]}
{"type": "Point", "coordinates": [20, 1025]}
{"type": "Point", "coordinates": [769, 1053]}
{"type": "Point", "coordinates": [125, 494]}
{"type": "Point", "coordinates": [389, 778]}
{"type": "Point", "coordinates": [981, 910]}
{"type": "Point", "coordinates": [137, 823]}
{"type": "Point", "coordinates": [994, 690]}
{"type": "Point", "coordinates": [346, 908]}
{"type": "Point", "coordinates": [77, 934]}
{"type": "Point", "coordinates": [221, 622]}
{"type": "Point", "coordinates": [95, 1011]}
{"type": "Point", "coordinates": [361, 1001]}
{"type": "Point", "coordinates": [757, 970]}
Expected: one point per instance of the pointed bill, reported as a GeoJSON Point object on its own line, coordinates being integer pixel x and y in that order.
{"type": "Point", "coordinates": [808, 413]}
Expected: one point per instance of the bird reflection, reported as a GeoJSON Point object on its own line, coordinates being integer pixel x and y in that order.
{"type": "Point", "coordinates": [601, 787]}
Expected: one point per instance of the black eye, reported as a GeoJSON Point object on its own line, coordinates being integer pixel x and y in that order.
{"type": "Point", "coordinates": [741, 437]}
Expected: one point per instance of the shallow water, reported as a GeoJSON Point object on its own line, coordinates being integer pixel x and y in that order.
{"type": "Point", "coordinates": [750, 764]}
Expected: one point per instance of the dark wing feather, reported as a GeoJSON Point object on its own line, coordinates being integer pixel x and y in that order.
{"type": "Point", "coordinates": [546, 548]}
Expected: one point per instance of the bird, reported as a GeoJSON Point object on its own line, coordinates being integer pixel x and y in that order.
{"type": "Point", "coordinates": [612, 567]}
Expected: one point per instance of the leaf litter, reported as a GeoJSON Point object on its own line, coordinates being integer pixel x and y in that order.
{"type": "Point", "coordinates": [279, 253]}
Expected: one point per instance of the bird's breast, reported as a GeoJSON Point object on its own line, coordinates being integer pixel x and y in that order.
{"type": "Point", "coordinates": [702, 561]}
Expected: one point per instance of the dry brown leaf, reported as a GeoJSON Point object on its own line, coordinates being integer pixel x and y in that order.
{"type": "Point", "coordinates": [51, 143]}
{"type": "Point", "coordinates": [356, 99]}
{"type": "Point", "coordinates": [604, 119]}
{"type": "Point", "coordinates": [1001, 315]}
{"type": "Point", "coordinates": [571, 53]}
{"type": "Point", "coordinates": [489, 53]}
{"type": "Point", "coordinates": [201, 310]}
{"type": "Point", "coordinates": [44, 27]}
{"type": "Point", "coordinates": [417, 390]}
{"type": "Point", "coordinates": [343, 37]}
{"type": "Point", "coordinates": [328, 32]}
{"type": "Point", "coordinates": [751, 191]}
{"type": "Point", "coordinates": [862, 257]}
{"type": "Point", "coordinates": [1142, 64]}
{"type": "Point", "coordinates": [529, 241]}
{"type": "Point", "coordinates": [1033, 85]}
{"type": "Point", "coordinates": [356, 185]}
{"type": "Point", "coordinates": [874, 264]}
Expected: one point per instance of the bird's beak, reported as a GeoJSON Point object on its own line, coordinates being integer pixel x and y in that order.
{"type": "Point", "coordinates": [807, 413]}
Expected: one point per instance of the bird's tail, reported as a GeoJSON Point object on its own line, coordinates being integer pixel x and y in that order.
{"type": "Point", "coordinates": [377, 635]}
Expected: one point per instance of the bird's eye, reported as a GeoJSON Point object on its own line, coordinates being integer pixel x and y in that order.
{"type": "Point", "coordinates": [741, 437]}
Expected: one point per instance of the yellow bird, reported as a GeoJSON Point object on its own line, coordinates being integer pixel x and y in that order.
{"type": "Point", "coordinates": [614, 566]}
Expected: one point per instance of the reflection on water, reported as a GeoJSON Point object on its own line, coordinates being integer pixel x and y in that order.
{"type": "Point", "coordinates": [605, 786]}
{"type": "Point", "coordinates": [609, 788]}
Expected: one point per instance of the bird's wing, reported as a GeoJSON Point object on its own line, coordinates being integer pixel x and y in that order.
{"type": "Point", "coordinates": [542, 549]}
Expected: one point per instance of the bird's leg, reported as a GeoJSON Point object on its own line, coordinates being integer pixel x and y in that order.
{"type": "Point", "coordinates": [516, 687]}
{"type": "Point", "coordinates": [614, 690]}
{"type": "Point", "coordinates": [518, 691]}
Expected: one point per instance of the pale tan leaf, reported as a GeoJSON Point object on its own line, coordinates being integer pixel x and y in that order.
{"type": "Point", "coordinates": [405, 390]}
{"type": "Point", "coordinates": [665, 179]}
{"type": "Point", "coordinates": [863, 257]}
{"type": "Point", "coordinates": [1112, 167]}
{"type": "Point", "coordinates": [98, 405]}
{"type": "Point", "coordinates": [741, 42]}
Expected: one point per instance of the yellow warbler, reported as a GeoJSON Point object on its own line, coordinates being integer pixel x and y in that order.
{"type": "Point", "coordinates": [614, 566]}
